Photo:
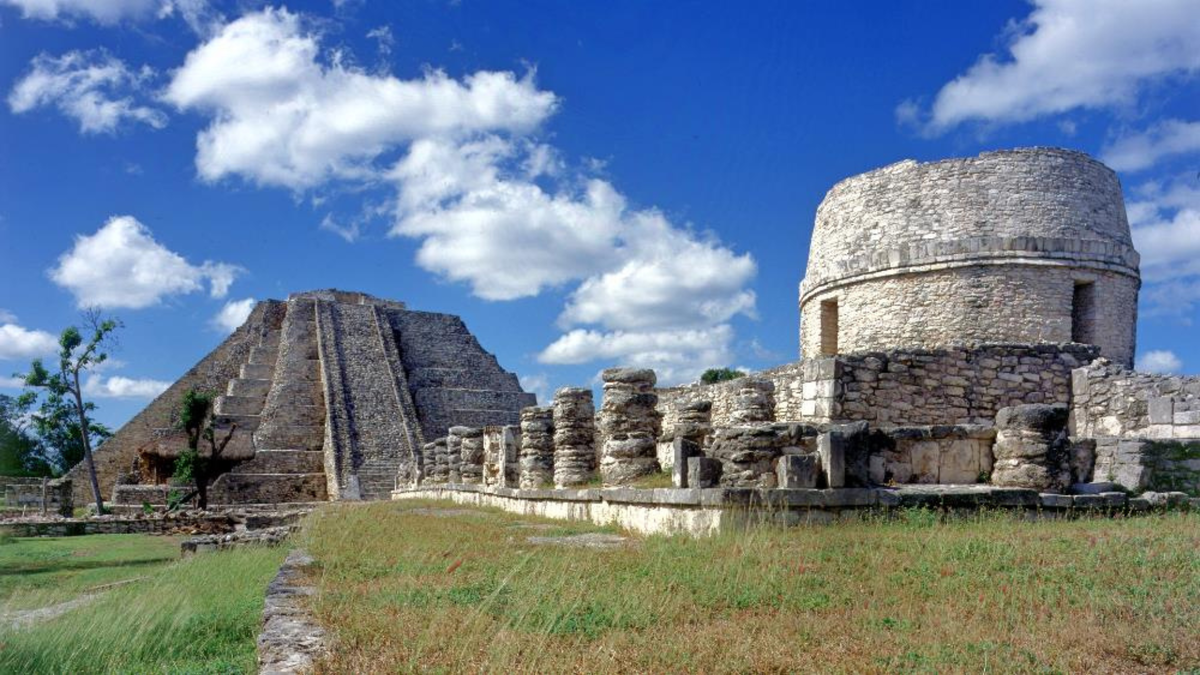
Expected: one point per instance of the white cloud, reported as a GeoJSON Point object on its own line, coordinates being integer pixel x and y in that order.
{"type": "Point", "coordinates": [116, 386]}
{"type": "Point", "coordinates": [1165, 217]}
{"type": "Point", "coordinates": [121, 265]}
{"type": "Point", "coordinates": [7, 316]}
{"type": "Point", "coordinates": [492, 206]}
{"type": "Point", "coordinates": [233, 315]}
{"type": "Point", "coordinates": [1138, 151]}
{"type": "Point", "coordinates": [7, 382]}
{"type": "Point", "coordinates": [104, 12]}
{"type": "Point", "coordinates": [1069, 54]}
{"type": "Point", "coordinates": [281, 117]}
{"type": "Point", "coordinates": [676, 356]}
{"type": "Point", "coordinates": [538, 385]}
{"type": "Point", "coordinates": [17, 343]}
{"type": "Point", "coordinates": [1159, 361]}
{"type": "Point", "coordinates": [94, 88]}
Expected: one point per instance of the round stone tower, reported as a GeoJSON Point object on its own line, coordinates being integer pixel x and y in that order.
{"type": "Point", "coordinates": [1018, 246]}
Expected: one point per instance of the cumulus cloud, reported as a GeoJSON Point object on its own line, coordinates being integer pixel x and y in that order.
{"type": "Point", "coordinates": [122, 265]}
{"type": "Point", "coordinates": [1069, 54]}
{"type": "Point", "coordinates": [492, 206]}
{"type": "Point", "coordinates": [1138, 151]}
{"type": "Point", "coordinates": [116, 386]}
{"type": "Point", "coordinates": [105, 12]}
{"type": "Point", "coordinates": [283, 117]}
{"type": "Point", "coordinates": [1159, 361]}
{"type": "Point", "coordinates": [19, 343]}
{"type": "Point", "coordinates": [233, 315]}
{"type": "Point", "coordinates": [93, 88]}
{"type": "Point", "coordinates": [538, 385]}
{"type": "Point", "coordinates": [1165, 217]}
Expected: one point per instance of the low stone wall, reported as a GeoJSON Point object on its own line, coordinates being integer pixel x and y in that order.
{"type": "Point", "coordinates": [932, 454]}
{"type": "Point", "coordinates": [704, 512]}
{"type": "Point", "coordinates": [73, 527]}
{"type": "Point", "coordinates": [270, 536]}
{"type": "Point", "coordinates": [290, 638]}
{"type": "Point", "coordinates": [1110, 400]}
{"type": "Point", "coordinates": [23, 492]}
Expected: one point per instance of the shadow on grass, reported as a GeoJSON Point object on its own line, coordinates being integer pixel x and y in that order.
{"type": "Point", "coordinates": [68, 565]}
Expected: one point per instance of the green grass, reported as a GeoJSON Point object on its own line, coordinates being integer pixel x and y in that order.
{"type": "Point", "coordinates": [36, 572]}
{"type": "Point", "coordinates": [197, 615]}
{"type": "Point", "coordinates": [405, 589]}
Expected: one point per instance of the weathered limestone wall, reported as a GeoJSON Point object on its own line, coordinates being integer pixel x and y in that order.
{"type": "Point", "coordinates": [972, 250]}
{"type": "Point", "coordinates": [119, 453]}
{"type": "Point", "coordinates": [952, 386]}
{"type": "Point", "coordinates": [913, 387]}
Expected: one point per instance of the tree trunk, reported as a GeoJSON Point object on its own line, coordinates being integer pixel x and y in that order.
{"type": "Point", "coordinates": [87, 446]}
{"type": "Point", "coordinates": [201, 476]}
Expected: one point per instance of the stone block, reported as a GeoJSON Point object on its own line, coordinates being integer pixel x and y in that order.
{"type": "Point", "coordinates": [1161, 410]}
{"type": "Point", "coordinates": [703, 472]}
{"type": "Point", "coordinates": [1093, 488]}
{"type": "Point", "coordinates": [831, 448]}
{"type": "Point", "coordinates": [797, 471]}
{"type": "Point", "coordinates": [925, 459]}
{"type": "Point", "coordinates": [682, 450]}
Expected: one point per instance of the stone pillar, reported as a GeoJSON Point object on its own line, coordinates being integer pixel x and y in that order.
{"type": "Point", "coordinates": [693, 423]}
{"type": "Point", "coordinates": [629, 425]}
{"type": "Point", "coordinates": [747, 455]}
{"type": "Point", "coordinates": [682, 450]}
{"type": "Point", "coordinates": [574, 437]}
{"type": "Point", "coordinates": [440, 470]}
{"type": "Point", "coordinates": [1031, 448]}
{"type": "Point", "coordinates": [493, 455]}
{"type": "Point", "coordinates": [454, 438]}
{"type": "Point", "coordinates": [754, 402]}
{"type": "Point", "coordinates": [537, 448]}
{"type": "Point", "coordinates": [471, 459]}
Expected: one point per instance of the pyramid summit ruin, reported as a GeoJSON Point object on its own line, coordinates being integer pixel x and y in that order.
{"type": "Point", "coordinates": [331, 393]}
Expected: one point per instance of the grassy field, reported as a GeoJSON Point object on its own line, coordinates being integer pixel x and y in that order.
{"type": "Point", "coordinates": [198, 615]}
{"type": "Point", "coordinates": [429, 586]}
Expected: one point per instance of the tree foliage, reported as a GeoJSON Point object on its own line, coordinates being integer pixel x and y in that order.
{"type": "Point", "coordinates": [714, 375]}
{"type": "Point", "coordinates": [21, 452]}
{"type": "Point", "coordinates": [196, 419]}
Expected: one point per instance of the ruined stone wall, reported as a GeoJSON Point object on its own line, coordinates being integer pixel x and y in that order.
{"type": "Point", "coordinates": [1114, 401]}
{"type": "Point", "coordinates": [969, 251]}
{"type": "Point", "coordinates": [788, 380]}
{"type": "Point", "coordinates": [119, 453]}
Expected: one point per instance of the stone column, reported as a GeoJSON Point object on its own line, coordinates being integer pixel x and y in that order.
{"type": "Point", "coordinates": [1031, 448]}
{"type": "Point", "coordinates": [454, 438]}
{"type": "Point", "coordinates": [692, 423]}
{"type": "Point", "coordinates": [471, 461]}
{"type": "Point", "coordinates": [629, 425]}
{"type": "Point", "coordinates": [574, 437]}
{"type": "Point", "coordinates": [493, 455]}
{"type": "Point", "coordinates": [754, 402]}
{"type": "Point", "coordinates": [441, 460]}
{"type": "Point", "coordinates": [747, 454]}
{"type": "Point", "coordinates": [427, 471]}
{"type": "Point", "coordinates": [537, 447]}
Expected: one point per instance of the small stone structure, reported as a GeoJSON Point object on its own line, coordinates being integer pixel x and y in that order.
{"type": "Point", "coordinates": [629, 424]}
{"type": "Point", "coordinates": [693, 422]}
{"type": "Point", "coordinates": [574, 437]}
{"type": "Point", "coordinates": [537, 448]}
{"type": "Point", "coordinates": [1031, 448]}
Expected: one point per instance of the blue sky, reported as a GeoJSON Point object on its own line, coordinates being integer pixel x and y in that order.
{"type": "Point", "coordinates": [585, 183]}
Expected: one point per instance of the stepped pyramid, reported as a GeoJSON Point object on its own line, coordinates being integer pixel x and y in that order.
{"type": "Point", "coordinates": [328, 394]}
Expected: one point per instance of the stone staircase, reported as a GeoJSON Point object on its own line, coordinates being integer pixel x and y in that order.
{"type": "Point", "coordinates": [281, 418]}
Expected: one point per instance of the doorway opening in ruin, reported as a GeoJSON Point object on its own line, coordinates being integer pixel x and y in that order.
{"type": "Point", "coordinates": [1083, 313]}
{"type": "Point", "coordinates": [829, 327]}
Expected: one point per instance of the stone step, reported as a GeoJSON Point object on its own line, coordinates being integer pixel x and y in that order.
{"type": "Point", "coordinates": [311, 437]}
{"type": "Point", "coordinates": [239, 405]}
{"type": "Point", "coordinates": [268, 488]}
{"type": "Point", "coordinates": [243, 422]}
{"type": "Point", "coordinates": [283, 461]}
{"type": "Point", "coordinates": [271, 339]}
{"type": "Point", "coordinates": [251, 371]}
{"type": "Point", "coordinates": [263, 356]}
{"type": "Point", "coordinates": [248, 387]}
{"type": "Point", "coordinates": [307, 392]}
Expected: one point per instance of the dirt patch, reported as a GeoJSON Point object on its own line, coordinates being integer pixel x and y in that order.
{"type": "Point", "coordinates": [588, 540]}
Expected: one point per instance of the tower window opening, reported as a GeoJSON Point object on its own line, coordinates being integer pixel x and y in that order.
{"type": "Point", "coordinates": [829, 327]}
{"type": "Point", "coordinates": [1083, 313]}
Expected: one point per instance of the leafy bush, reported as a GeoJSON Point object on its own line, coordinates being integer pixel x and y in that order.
{"type": "Point", "coordinates": [714, 375]}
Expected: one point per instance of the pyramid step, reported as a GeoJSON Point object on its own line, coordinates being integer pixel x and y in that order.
{"type": "Point", "coordinates": [300, 437]}
{"type": "Point", "coordinates": [305, 391]}
{"type": "Point", "coordinates": [271, 339]}
{"type": "Point", "coordinates": [248, 387]}
{"type": "Point", "coordinates": [268, 488]}
{"type": "Point", "coordinates": [263, 356]}
{"type": "Point", "coordinates": [284, 461]}
{"type": "Point", "coordinates": [252, 371]}
{"type": "Point", "coordinates": [243, 422]}
{"type": "Point", "coordinates": [239, 405]}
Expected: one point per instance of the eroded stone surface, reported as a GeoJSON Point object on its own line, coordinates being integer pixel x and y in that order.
{"type": "Point", "coordinates": [537, 448]}
{"type": "Point", "coordinates": [629, 425]}
{"type": "Point", "coordinates": [574, 437]}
